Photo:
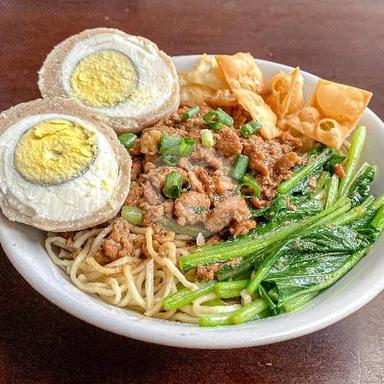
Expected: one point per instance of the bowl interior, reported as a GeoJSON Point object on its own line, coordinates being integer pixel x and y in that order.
{"type": "Point", "coordinates": [24, 247]}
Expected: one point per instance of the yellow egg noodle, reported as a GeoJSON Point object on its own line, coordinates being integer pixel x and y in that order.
{"type": "Point", "coordinates": [129, 282]}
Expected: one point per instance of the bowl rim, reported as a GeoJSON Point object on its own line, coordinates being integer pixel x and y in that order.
{"type": "Point", "coordinates": [177, 334]}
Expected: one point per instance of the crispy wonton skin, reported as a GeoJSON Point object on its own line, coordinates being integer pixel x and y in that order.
{"type": "Point", "coordinates": [241, 72]}
{"type": "Point", "coordinates": [286, 93]}
{"type": "Point", "coordinates": [334, 109]}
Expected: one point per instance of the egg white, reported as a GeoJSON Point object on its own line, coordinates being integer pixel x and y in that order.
{"type": "Point", "coordinates": [155, 82]}
{"type": "Point", "coordinates": [73, 200]}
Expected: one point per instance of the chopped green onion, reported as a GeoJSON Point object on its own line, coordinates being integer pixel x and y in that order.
{"type": "Point", "coordinates": [224, 117]}
{"type": "Point", "coordinates": [132, 214]}
{"type": "Point", "coordinates": [207, 138]}
{"type": "Point", "coordinates": [191, 112]}
{"type": "Point", "coordinates": [173, 185]}
{"type": "Point", "coordinates": [218, 116]}
{"type": "Point", "coordinates": [169, 145]}
{"type": "Point", "coordinates": [216, 126]}
{"type": "Point", "coordinates": [210, 117]}
{"type": "Point", "coordinates": [249, 183]}
{"type": "Point", "coordinates": [250, 128]}
{"type": "Point", "coordinates": [186, 147]}
{"type": "Point", "coordinates": [240, 167]}
{"type": "Point", "coordinates": [127, 139]}
{"type": "Point", "coordinates": [173, 147]}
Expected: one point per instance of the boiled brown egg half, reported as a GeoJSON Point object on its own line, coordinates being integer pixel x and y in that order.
{"type": "Point", "coordinates": [61, 167]}
{"type": "Point", "coordinates": [126, 78]}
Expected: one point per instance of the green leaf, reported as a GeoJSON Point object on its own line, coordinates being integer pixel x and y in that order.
{"type": "Point", "coordinates": [361, 186]}
{"type": "Point", "coordinates": [315, 261]}
{"type": "Point", "coordinates": [285, 208]}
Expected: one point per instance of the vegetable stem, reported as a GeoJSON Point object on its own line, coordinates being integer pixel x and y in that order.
{"type": "Point", "coordinates": [185, 296]}
{"type": "Point", "coordinates": [332, 191]}
{"type": "Point", "coordinates": [305, 171]}
{"type": "Point", "coordinates": [354, 214]}
{"type": "Point", "coordinates": [229, 289]}
{"type": "Point", "coordinates": [322, 182]}
{"type": "Point", "coordinates": [353, 158]}
{"type": "Point", "coordinates": [378, 203]}
{"type": "Point", "coordinates": [248, 311]}
{"type": "Point", "coordinates": [378, 220]}
{"type": "Point", "coordinates": [215, 319]}
{"type": "Point", "coordinates": [296, 303]}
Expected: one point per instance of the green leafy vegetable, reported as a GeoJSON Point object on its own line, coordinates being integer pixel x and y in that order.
{"type": "Point", "coordinates": [186, 147]}
{"type": "Point", "coordinates": [315, 261]}
{"type": "Point", "coordinates": [314, 165]}
{"type": "Point", "coordinates": [230, 250]}
{"type": "Point", "coordinates": [360, 187]}
{"type": "Point", "coordinates": [336, 158]}
{"type": "Point", "coordinates": [248, 187]}
{"type": "Point", "coordinates": [288, 207]}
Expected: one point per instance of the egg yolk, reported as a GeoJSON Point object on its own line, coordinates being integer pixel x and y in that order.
{"type": "Point", "coordinates": [54, 151]}
{"type": "Point", "coordinates": [104, 79]}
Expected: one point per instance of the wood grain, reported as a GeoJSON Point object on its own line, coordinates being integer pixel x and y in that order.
{"type": "Point", "coordinates": [338, 40]}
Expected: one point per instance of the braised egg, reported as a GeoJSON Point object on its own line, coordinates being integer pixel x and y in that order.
{"type": "Point", "coordinates": [62, 167]}
{"type": "Point", "coordinates": [126, 78]}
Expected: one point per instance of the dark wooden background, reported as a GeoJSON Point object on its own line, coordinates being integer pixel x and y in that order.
{"type": "Point", "coordinates": [338, 40]}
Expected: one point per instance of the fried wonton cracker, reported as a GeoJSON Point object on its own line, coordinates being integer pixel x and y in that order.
{"type": "Point", "coordinates": [246, 81]}
{"type": "Point", "coordinates": [332, 113]}
{"type": "Point", "coordinates": [241, 72]}
{"type": "Point", "coordinates": [193, 94]}
{"type": "Point", "coordinates": [206, 73]}
{"type": "Point", "coordinates": [259, 110]}
{"type": "Point", "coordinates": [286, 93]}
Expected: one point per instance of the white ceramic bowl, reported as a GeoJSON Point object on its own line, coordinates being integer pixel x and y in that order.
{"type": "Point", "coordinates": [23, 245]}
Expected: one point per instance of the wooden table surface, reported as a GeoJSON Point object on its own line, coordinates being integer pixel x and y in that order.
{"type": "Point", "coordinates": [337, 40]}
